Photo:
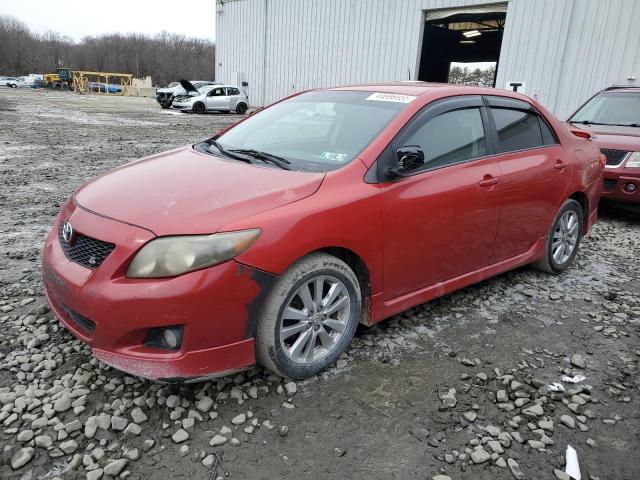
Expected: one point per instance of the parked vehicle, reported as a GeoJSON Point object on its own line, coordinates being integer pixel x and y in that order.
{"type": "Point", "coordinates": [11, 82]}
{"type": "Point", "coordinates": [272, 240]}
{"type": "Point", "coordinates": [165, 96]}
{"type": "Point", "coordinates": [101, 87]}
{"type": "Point", "coordinates": [216, 98]}
{"type": "Point", "coordinates": [613, 116]}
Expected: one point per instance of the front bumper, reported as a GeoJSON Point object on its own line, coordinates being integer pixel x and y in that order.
{"type": "Point", "coordinates": [615, 180]}
{"type": "Point", "coordinates": [217, 306]}
{"type": "Point", "coordinates": [182, 106]}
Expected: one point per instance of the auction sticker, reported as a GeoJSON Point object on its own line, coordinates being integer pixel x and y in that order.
{"type": "Point", "coordinates": [334, 156]}
{"type": "Point", "coordinates": [390, 97]}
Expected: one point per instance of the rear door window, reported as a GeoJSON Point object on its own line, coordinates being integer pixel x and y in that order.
{"type": "Point", "coordinates": [233, 91]}
{"type": "Point", "coordinates": [452, 137]}
{"type": "Point", "coordinates": [518, 130]}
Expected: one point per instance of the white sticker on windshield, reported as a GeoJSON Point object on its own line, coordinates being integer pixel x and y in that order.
{"type": "Point", "coordinates": [390, 97]}
{"type": "Point", "coordinates": [333, 156]}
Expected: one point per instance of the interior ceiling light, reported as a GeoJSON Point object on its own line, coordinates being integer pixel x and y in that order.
{"type": "Point", "coordinates": [467, 41]}
{"type": "Point", "coordinates": [471, 33]}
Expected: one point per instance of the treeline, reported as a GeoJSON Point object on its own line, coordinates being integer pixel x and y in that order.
{"type": "Point", "coordinates": [466, 76]}
{"type": "Point", "coordinates": [165, 57]}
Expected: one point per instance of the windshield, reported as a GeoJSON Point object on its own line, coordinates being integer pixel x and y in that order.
{"type": "Point", "coordinates": [316, 131]}
{"type": "Point", "coordinates": [611, 108]}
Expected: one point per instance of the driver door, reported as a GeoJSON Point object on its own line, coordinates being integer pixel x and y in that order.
{"type": "Point", "coordinates": [440, 221]}
{"type": "Point", "coordinates": [218, 99]}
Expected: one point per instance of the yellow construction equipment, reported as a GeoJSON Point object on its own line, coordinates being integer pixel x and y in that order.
{"type": "Point", "coordinates": [58, 81]}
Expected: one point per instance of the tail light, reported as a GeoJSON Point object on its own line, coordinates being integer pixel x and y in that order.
{"type": "Point", "coordinates": [603, 160]}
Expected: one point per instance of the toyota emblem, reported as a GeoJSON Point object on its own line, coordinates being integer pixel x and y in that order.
{"type": "Point", "coordinates": [67, 232]}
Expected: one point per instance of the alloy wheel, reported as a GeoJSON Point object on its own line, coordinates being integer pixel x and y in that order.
{"type": "Point", "coordinates": [315, 318]}
{"type": "Point", "coordinates": [565, 237]}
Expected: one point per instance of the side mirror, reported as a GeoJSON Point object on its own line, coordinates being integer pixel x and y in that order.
{"type": "Point", "coordinates": [407, 160]}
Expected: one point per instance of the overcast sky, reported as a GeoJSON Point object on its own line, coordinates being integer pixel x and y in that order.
{"type": "Point", "coordinates": [79, 18]}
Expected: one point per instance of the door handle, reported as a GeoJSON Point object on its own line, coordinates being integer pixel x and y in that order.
{"type": "Point", "coordinates": [560, 165]}
{"type": "Point", "coordinates": [489, 181]}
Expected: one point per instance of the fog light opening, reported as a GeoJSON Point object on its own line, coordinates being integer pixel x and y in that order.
{"type": "Point", "coordinates": [168, 338]}
{"type": "Point", "coordinates": [630, 187]}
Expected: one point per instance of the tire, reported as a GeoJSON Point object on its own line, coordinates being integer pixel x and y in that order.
{"type": "Point", "coordinates": [270, 346]}
{"type": "Point", "coordinates": [241, 108]}
{"type": "Point", "coordinates": [198, 107]}
{"type": "Point", "coordinates": [165, 106]}
{"type": "Point", "coordinates": [558, 263]}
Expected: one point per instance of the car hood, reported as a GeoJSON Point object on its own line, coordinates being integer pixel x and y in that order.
{"type": "Point", "coordinates": [183, 191]}
{"type": "Point", "coordinates": [610, 136]}
{"type": "Point", "coordinates": [188, 86]}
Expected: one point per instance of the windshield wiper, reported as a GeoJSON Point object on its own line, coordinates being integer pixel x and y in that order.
{"type": "Point", "coordinates": [265, 157]}
{"type": "Point", "coordinates": [588, 122]}
{"type": "Point", "coordinates": [227, 153]}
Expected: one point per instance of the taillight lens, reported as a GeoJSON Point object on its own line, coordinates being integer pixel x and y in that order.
{"type": "Point", "coordinates": [603, 160]}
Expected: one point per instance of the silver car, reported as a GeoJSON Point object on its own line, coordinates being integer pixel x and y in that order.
{"type": "Point", "coordinates": [217, 98]}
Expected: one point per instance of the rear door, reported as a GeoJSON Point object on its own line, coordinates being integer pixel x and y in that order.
{"type": "Point", "coordinates": [536, 173]}
{"type": "Point", "coordinates": [234, 97]}
{"type": "Point", "coordinates": [218, 99]}
{"type": "Point", "coordinates": [441, 221]}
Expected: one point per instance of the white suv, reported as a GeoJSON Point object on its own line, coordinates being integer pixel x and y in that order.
{"type": "Point", "coordinates": [217, 98]}
{"type": "Point", "coordinates": [11, 82]}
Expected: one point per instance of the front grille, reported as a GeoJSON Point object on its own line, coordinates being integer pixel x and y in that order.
{"type": "Point", "coordinates": [614, 157]}
{"type": "Point", "coordinates": [86, 251]}
{"type": "Point", "coordinates": [84, 322]}
{"type": "Point", "coordinates": [608, 184]}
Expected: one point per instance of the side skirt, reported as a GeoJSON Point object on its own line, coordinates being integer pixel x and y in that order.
{"type": "Point", "coordinates": [382, 309]}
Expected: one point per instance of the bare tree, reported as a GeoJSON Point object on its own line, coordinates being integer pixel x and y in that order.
{"type": "Point", "coordinates": [165, 57]}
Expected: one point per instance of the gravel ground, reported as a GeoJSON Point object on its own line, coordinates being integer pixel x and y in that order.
{"type": "Point", "coordinates": [459, 388]}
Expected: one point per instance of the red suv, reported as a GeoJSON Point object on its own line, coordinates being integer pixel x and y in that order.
{"type": "Point", "coordinates": [272, 240]}
{"type": "Point", "coordinates": [613, 115]}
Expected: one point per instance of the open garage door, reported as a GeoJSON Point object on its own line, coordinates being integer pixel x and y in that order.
{"type": "Point", "coordinates": [459, 38]}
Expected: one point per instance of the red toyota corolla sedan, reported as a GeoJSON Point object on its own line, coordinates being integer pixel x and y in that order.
{"type": "Point", "coordinates": [271, 241]}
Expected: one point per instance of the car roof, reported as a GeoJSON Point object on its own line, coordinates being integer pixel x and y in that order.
{"type": "Point", "coordinates": [622, 89]}
{"type": "Point", "coordinates": [417, 88]}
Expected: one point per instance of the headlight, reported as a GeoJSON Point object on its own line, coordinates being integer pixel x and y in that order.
{"type": "Point", "coordinates": [171, 256]}
{"type": "Point", "coordinates": [634, 160]}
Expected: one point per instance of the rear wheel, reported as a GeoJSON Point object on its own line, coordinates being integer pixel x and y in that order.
{"type": "Point", "coordinates": [198, 107]}
{"type": "Point", "coordinates": [309, 317]}
{"type": "Point", "coordinates": [241, 109]}
{"type": "Point", "coordinates": [563, 239]}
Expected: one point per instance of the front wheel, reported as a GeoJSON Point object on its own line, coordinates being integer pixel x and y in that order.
{"type": "Point", "coordinates": [309, 317]}
{"type": "Point", "coordinates": [563, 239]}
{"type": "Point", "coordinates": [198, 108]}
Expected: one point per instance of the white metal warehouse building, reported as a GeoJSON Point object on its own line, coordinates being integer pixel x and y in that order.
{"type": "Point", "coordinates": [560, 51]}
